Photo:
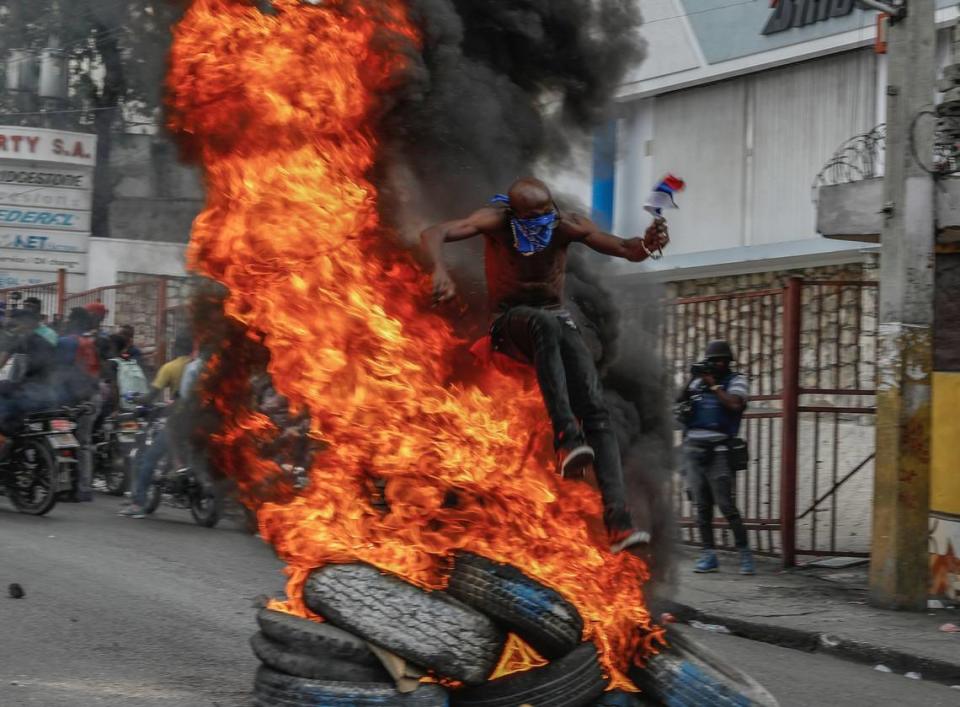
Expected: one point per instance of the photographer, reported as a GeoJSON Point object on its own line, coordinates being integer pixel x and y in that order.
{"type": "Point", "coordinates": [710, 409]}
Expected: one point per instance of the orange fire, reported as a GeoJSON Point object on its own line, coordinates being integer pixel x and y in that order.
{"type": "Point", "coordinates": [281, 110]}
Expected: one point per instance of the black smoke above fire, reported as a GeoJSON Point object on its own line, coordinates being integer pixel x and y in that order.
{"type": "Point", "coordinates": [501, 89]}
{"type": "Point", "coordinates": [501, 84]}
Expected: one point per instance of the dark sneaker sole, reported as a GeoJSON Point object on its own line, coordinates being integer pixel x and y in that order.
{"type": "Point", "coordinates": [713, 569]}
{"type": "Point", "coordinates": [577, 462]}
{"type": "Point", "coordinates": [635, 539]}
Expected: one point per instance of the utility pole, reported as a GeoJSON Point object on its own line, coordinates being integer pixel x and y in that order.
{"type": "Point", "coordinates": [899, 563]}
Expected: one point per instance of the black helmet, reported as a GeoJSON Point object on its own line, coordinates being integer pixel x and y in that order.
{"type": "Point", "coordinates": [719, 349]}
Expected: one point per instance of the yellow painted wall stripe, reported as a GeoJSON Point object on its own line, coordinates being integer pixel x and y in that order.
{"type": "Point", "coordinates": [945, 442]}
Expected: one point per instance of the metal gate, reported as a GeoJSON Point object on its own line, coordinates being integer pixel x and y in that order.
{"type": "Point", "coordinates": [808, 349]}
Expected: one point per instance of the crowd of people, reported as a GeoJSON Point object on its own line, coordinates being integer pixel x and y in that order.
{"type": "Point", "coordinates": [75, 363]}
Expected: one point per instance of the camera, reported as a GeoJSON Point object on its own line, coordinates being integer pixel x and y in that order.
{"type": "Point", "coordinates": [703, 368]}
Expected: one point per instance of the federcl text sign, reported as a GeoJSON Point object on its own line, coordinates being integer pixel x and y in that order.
{"type": "Point", "coordinates": [50, 219]}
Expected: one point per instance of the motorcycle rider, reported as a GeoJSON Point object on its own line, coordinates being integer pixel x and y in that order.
{"type": "Point", "coordinates": [43, 330]}
{"type": "Point", "coordinates": [29, 387]}
{"type": "Point", "coordinates": [168, 380]}
{"type": "Point", "coordinates": [79, 380]}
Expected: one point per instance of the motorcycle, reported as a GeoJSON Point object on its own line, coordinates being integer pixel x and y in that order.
{"type": "Point", "coordinates": [178, 488]}
{"type": "Point", "coordinates": [113, 443]}
{"type": "Point", "coordinates": [39, 462]}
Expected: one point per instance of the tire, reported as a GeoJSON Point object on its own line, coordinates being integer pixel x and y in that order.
{"type": "Point", "coordinates": [206, 505]}
{"type": "Point", "coordinates": [686, 674]}
{"type": "Point", "coordinates": [153, 498]}
{"type": "Point", "coordinates": [115, 472]}
{"type": "Point", "coordinates": [575, 680]}
{"type": "Point", "coordinates": [305, 636]}
{"type": "Point", "coordinates": [430, 629]}
{"type": "Point", "coordinates": [538, 614]}
{"type": "Point", "coordinates": [274, 689]}
{"type": "Point", "coordinates": [153, 494]}
{"type": "Point", "coordinates": [32, 477]}
{"type": "Point", "coordinates": [315, 666]}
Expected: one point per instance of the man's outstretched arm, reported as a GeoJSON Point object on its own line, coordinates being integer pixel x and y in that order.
{"type": "Point", "coordinates": [633, 249]}
{"type": "Point", "coordinates": [434, 237]}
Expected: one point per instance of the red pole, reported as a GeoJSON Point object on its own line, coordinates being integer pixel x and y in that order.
{"type": "Point", "coordinates": [792, 303]}
{"type": "Point", "coordinates": [161, 355]}
{"type": "Point", "coordinates": [61, 292]}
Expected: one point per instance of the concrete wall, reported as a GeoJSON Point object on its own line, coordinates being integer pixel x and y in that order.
{"type": "Point", "coordinates": [111, 256]}
{"type": "Point", "coordinates": [156, 197]}
{"type": "Point", "coordinates": [153, 219]}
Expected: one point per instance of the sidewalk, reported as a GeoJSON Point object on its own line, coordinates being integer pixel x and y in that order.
{"type": "Point", "coordinates": [814, 609]}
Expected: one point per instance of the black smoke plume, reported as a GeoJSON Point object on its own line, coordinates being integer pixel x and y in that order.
{"type": "Point", "coordinates": [500, 85]}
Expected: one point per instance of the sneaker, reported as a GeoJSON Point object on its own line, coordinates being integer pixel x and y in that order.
{"type": "Point", "coordinates": [133, 511]}
{"type": "Point", "coordinates": [707, 563]}
{"type": "Point", "coordinates": [621, 540]}
{"type": "Point", "coordinates": [746, 563]}
{"type": "Point", "coordinates": [574, 457]}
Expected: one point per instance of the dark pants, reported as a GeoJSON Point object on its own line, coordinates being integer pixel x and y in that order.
{"type": "Point", "coordinates": [712, 483]}
{"type": "Point", "coordinates": [571, 392]}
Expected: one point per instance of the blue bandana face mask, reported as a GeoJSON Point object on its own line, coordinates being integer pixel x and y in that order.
{"type": "Point", "coordinates": [530, 235]}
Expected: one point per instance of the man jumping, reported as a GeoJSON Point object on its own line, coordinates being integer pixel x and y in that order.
{"type": "Point", "coordinates": [527, 237]}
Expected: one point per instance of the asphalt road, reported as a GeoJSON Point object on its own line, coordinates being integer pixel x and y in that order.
{"type": "Point", "coordinates": [159, 611]}
{"type": "Point", "coordinates": [799, 679]}
{"type": "Point", "coordinates": [128, 612]}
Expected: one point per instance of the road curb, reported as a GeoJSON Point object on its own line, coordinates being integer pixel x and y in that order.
{"type": "Point", "coordinates": [933, 669]}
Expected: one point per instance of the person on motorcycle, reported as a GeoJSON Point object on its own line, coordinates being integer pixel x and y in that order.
{"type": "Point", "coordinates": [29, 388]}
{"type": "Point", "coordinates": [128, 381]}
{"type": "Point", "coordinates": [80, 380]}
{"type": "Point", "coordinates": [43, 330]}
{"type": "Point", "coordinates": [132, 350]}
{"type": "Point", "coordinates": [167, 381]}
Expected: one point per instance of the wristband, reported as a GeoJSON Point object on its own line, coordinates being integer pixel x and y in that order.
{"type": "Point", "coordinates": [651, 255]}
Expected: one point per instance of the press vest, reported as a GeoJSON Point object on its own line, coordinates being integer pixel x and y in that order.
{"type": "Point", "coordinates": [710, 414]}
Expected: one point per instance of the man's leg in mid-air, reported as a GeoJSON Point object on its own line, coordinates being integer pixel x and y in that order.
{"type": "Point", "coordinates": [586, 397]}
{"type": "Point", "coordinates": [534, 336]}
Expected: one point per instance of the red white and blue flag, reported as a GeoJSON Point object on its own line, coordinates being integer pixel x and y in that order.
{"type": "Point", "coordinates": [662, 196]}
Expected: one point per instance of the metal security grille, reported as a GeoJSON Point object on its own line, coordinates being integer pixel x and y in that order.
{"type": "Point", "coordinates": [808, 349]}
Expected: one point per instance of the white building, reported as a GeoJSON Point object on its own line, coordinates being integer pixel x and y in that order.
{"type": "Point", "coordinates": [745, 103]}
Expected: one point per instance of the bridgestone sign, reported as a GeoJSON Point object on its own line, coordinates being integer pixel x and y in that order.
{"type": "Point", "coordinates": [800, 13]}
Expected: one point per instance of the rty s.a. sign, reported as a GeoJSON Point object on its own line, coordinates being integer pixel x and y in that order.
{"type": "Point", "coordinates": [800, 13]}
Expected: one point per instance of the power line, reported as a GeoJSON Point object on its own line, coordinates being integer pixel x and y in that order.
{"type": "Point", "coordinates": [58, 112]}
{"type": "Point", "coordinates": [697, 12]}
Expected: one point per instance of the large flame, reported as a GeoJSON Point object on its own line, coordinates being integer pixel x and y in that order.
{"type": "Point", "coordinates": [281, 109]}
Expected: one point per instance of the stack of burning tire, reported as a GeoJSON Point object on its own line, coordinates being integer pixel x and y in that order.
{"type": "Point", "coordinates": [458, 636]}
